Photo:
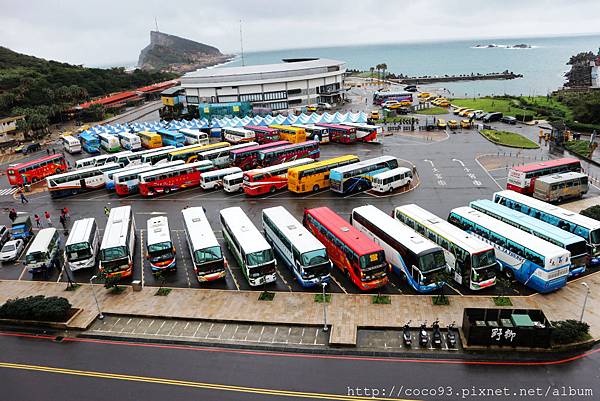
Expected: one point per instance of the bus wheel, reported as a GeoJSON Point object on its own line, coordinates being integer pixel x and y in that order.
{"type": "Point", "coordinates": [167, 190]}
{"type": "Point", "coordinates": [272, 190]}
{"type": "Point", "coordinates": [59, 170]}
{"type": "Point", "coordinates": [560, 199]}
{"type": "Point", "coordinates": [315, 188]}
{"type": "Point", "coordinates": [391, 190]}
{"type": "Point", "coordinates": [509, 274]}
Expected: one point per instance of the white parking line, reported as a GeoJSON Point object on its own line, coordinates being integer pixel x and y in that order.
{"type": "Point", "coordinates": [487, 172]}
{"type": "Point", "coordinates": [142, 255]}
{"type": "Point", "coordinates": [339, 285]}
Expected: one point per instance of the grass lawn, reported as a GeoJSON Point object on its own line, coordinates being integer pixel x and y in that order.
{"type": "Point", "coordinates": [579, 147]}
{"type": "Point", "coordinates": [507, 138]}
{"type": "Point", "coordinates": [433, 111]}
{"type": "Point", "coordinates": [488, 104]}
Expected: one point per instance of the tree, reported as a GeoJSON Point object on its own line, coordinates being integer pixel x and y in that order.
{"type": "Point", "coordinates": [384, 68]}
{"type": "Point", "coordinates": [371, 69]}
{"type": "Point", "coordinates": [442, 277]}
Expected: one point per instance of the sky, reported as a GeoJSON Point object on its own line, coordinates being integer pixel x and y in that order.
{"type": "Point", "coordinates": [109, 32]}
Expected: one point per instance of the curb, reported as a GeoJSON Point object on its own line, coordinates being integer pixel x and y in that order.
{"type": "Point", "coordinates": [509, 146]}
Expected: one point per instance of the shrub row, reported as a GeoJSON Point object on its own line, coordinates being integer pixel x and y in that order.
{"type": "Point", "coordinates": [50, 309]}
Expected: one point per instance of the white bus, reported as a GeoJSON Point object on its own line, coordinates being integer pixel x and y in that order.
{"type": "Point", "coordinates": [208, 259]}
{"type": "Point", "coordinates": [221, 157]}
{"type": "Point", "coordinates": [127, 182]}
{"type": "Point", "coordinates": [42, 254]}
{"type": "Point", "coordinates": [118, 243]}
{"type": "Point", "coordinates": [103, 159]}
{"type": "Point", "coordinates": [558, 187]}
{"type": "Point", "coordinates": [214, 179]}
{"type": "Point", "coordinates": [194, 136]}
{"type": "Point", "coordinates": [411, 256]}
{"type": "Point", "coordinates": [81, 248]}
{"type": "Point", "coordinates": [472, 261]}
{"type": "Point", "coordinates": [109, 142]}
{"type": "Point", "coordinates": [130, 141]}
{"type": "Point", "coordinates": [77, 181]}
{"type": "Point", "coordinates": [160, 250]}
{"type": "Point", "coordinates": [314, 132]}
{"type": "Point", "coordinates": [367, 132]}
{"type": "Point", "coordinates": [301, 251]}
{"type": "Point", "coordinates": [158, 155]}
{"type": "Point", "coordinates": [71, 144]}
{"type": "Point", "coordinates": [391, 179]}
{"type": "Point", "coordinates": [237, 135]}
{"type": "Point", "coordinates": [233, 182]}
{"type": "Point", "coordinates": [251, 250]}
{"type": "Point", "coordinates": [109, 182]}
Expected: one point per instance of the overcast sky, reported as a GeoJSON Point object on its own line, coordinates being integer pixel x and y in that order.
{"type": "Point", "coordinates": [107, 32]}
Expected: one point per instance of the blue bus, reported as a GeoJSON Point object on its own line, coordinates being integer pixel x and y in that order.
{"type": "Point", "coordinates": [171, 138]}
{"type": "Point", "coordinates": [566, 240]}
{"type": "Point", "coordinates": [90, 142]}
{"type": "Point", "coordinates": [535, 263]}
{"type": "Point", "coordinates": [358, 176]}
{"type": "Point", "coordinates": [585, 227]}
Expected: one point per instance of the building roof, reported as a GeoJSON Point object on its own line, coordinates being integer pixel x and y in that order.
{"type": "Point", "coordinates": [263, 68]}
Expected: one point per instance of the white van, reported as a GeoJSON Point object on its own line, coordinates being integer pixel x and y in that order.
{"type": "Point", "coordinates": [81, 248]}
{"type": "Point", "coordinates": [233, 182]}
{"type": "Point", "coordinates": [392, 179]}
{"type": "Point", "coordinates": [42, 254]}
{"type": "Point", "coordinates": [214, 179]}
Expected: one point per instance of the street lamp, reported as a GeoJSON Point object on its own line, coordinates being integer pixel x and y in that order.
{"type": "Point", "coordinates": [587, 293]}
{"type": "Point", "coordinates": [100, 315]}
{"type": "Point", "coordinates": [325, 328]}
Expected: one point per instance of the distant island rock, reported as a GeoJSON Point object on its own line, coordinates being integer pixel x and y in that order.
{"type": "Point", "coordinates": [174, 54]}
{"type": "Point", "coordinates": [492, 46]}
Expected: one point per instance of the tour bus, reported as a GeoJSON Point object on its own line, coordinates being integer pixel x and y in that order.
{"type": "Point", "coordinates": [109, 142]}
{"type": "Point", "coordinates": [78, 181]}
{"type": "Point", "coordinates": [130, 141]}
{"type": "Point", "coordinates": [160, 250]}
{"type": "Point", "coordinates": [220, 158]}
{"type": "Point", "coordinates": [472, 262]}
{"type": "Point", "coordinates": [109, 182]}
{"type": "Point", "coordinates": [150, 140]}
{"type": "Point", "coordinates": [237, 135]}
{"type": "Point", "coordinates": [233, 182]}
{"type": "Point", "coordinates": [190, 153]}
{"type": "Point", "coordinates": [71, 144]}
{"type": "Point", "coordinates": [392, 179]}
{"type": "Point", "coordinates": [251, 250]}
{"type": "Point", "coordinates": [358, 176]}
{"type": "Point", "coordinates": [351, 251]}
{"type": "Point", "coordinates": [282, 154]}
{"type": "Point", "coordinates": [290, 133]}
{"type": "Point", "coordinates": [247, 158]}
{"type": "Point", "coordinates": [43, 253]}
{"type": "Point", "coordinates": [536, 263]}
{"type": "Point", "coordinates": [208, 259]}
{"type": "Point", "coordinates": [585, 227]}
{"type": "Point", "coordinates": [269, 179]}
{"type": "Point", "coordinates": [166, 180]}
{"type": "Point", "coordinates": [35, 170]}
{"type": "Point", "coordinates": [171, 138]}
{"type": "Point", "coordinates": [411, 256]}
{"type": "Point", "coordinates": [127, 182]}
{"type": "Point", "coordinates": [571, 242]}
{"type": "Point", "coordinates": [194, 136]}
{"type": "Point", "coordinates": [81, 248]}
{"type": "Point", "coordinates": [156, 156]}
{"type": "Point", "coordinates": [264, 135]}
{"type": "Point", "coordinates": [90, 142]}
{"type": "Point", "coordinates": [522, 178]}
{"type": "Point", "coordinates": [367, 132]}
{"type": "Point", "coordinates": [100, 160]}
{"type": "Point", "coordinates": [303, 254]}
{"type": "Point", "coordinates": [558, 187]}
{"type": "Point", "coordinates": [214, 179]}
{"type": "Point", "coordinates": [315, 176]}
{"type": "Point", "coordinates": [384, 96]}
{"type": "Point", "coordinates": [118, 243]}
{"type": "Point", "coordinates": [315, 133]}
{"type": "Point", "coordinates": [340, 133]}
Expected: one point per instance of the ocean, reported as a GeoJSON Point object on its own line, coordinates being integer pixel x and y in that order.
{"type": "Point", "coordinates": [542, 66]}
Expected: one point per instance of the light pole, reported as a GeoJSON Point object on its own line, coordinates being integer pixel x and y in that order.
{"type": "Point", "coordinates": [100, 315]}
{"type": "Point", "coordinates": [587, 292]}
{"type": "Point", "coordinates": [325, 328]}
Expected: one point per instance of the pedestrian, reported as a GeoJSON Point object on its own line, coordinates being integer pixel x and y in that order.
{"type": "Point", "coordinates": [53, 151]}
{"type": "Point", "coordinates": [48, 219]}
{"type": "Point", "coordinates": [66, 213]}
{"type": "Point", "coordinates": [23, 198]}
{"type": "Point", "coordinates": [38, 221]}
{"type": "Point", "coordinates": [63, 222]}
{"type": "Point", "coordinates": [48, 151]}
{"type": "Point", "coordinates": [12, 215]}
{"type": "Point", "coordinates": [106, 210]}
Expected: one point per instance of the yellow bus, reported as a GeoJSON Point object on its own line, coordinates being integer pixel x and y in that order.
{"type": "Point", "coordinates": [189, 154]}
{"type": "Point", "coordinates": [290, 134]}
{"type": "Point", "coordinates": [315, 176]}
{"type": "Point", "coordinates": [150, 140]}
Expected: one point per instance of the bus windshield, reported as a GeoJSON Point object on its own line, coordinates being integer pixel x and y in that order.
{"type": "Point", "coordinates": [159, 248]}
{"type": "Point", "coordinates": [371, 261]}
{"type": "Point", "coordinates": [484, 259]}
{"type": "Point", "coordinates": [77, 252]}
{"type": "Point", "coordinates": [35, 257]}
{"type": "Point", "coordinates": [118, 252]}
{"type": "Point", "coordinates": [314, 258]}
{"type": "Point", "coordinates": [432, 261]}
{"type": "Point", "coordinates": [595, 237]}
{"type": "Point", "coordinates": [578, 248]}
{"type": "Point", "coordinates": [259, 258]}
{"type": "Point", "coordinates": [208, 255]}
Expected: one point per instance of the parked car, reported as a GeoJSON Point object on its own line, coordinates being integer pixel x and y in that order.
{"type": "Point", "coordinates": [465, 124]}
{"type": "Point", "coordinates": [30, 148]}
{"type": "Point", "coordinates": [452, 124]}
{"type": "Point", "coordinates": [479, 114]}
{"type": "Point", "coordinates": [324, 106]}
{"type": "Point", "coordinates": [443, 103]}
{"type": "Point", "coordinates": [4, 235]}
{"type": "Point", "coordinates": [491, 117]}
{"type": "Point", "coordinates": [375, 115]}
{"type": "Point", "coordinates": [411, 88]}
{"type": "Point", "coordinates": [389, 103]}
{"type": "Point", "coordinates": [463, 113]}
{"type": "Point", "coordinates": [458, 110]}
{"type": "Point", "coordinates": [11, 250]}
{"type": "Point", "coordinates": [311, 107]}
{"type": "Point", "coordinates": [441, 123]}
{"type": "Point", "coordinates": [509, 120]}
{"type": "Point", "coordinates": [423, 95]}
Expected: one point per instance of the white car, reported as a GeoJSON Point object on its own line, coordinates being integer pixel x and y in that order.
{"type": "Point", "coordinates": [324, 106]}
{"type": "Point", "coordinates": [389, 103]}
{"type": "Point", "coordinates": [11, 250]}
{"type": "Point", "coordinates": [479, 114]}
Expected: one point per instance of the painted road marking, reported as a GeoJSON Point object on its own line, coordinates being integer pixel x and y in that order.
{"type": "Point", "coordinates": [8, 191]}
{"type": "Point", "coordinates": [469, 174]}
{"type": "Point", "coordinates": [487, 172]}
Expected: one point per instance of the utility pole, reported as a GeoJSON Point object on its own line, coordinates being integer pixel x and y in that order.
{"type": "Point", "coordinates": [242, 44]}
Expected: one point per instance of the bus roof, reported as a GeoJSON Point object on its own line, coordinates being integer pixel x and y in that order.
{"type": "Point", "coordinates": [248, 236]}
{"type": "Point", "coordinates": [337, 126]}
{"type": "Point", "coordinates": [144, 167]}
{"type": "Point", "coordinates": [80, 232]}
{"type": "Point", "coordinates": [288, 165]}
{"type": "Point", "coordinates": [239, 129]}
{"type": "Point", "coordinates": [196, 147]}
{"type": "Point", "coordinates": [191, 131]}
{"type": "Point", "coordinates": [127, 168]}
{"type": "Point", "coordinates": [157, 230]}
{"type": "Point", "coordinates": [71, 140]}
{"type": "Point", "coordinates": [106, 135]}
{"type": "Point", "coordinates": [391, 173]}
{"type": "Point", "coordinates": [260, 128]}
{"type": "Point", "coordinates": [290, 146]}
{"type": "Point", "coordinates": [310, 126]}
{"type": "Point", "coordinates": [42, 240]}
{"type": "Point", "coordinates": [324, 163]}
{"type": "Point", "coordinates": [36, 161]}
{"type": "Point", "coordinates": [292, 229]}
{"type": "Point", "coordinates": [256, 148]}
{"type": "Point", "coordinates": [228, 148]}
{"type": "Point", "coordinates": [115, 233]}
{"type": "Point", "coordinates": [446, 230]}
{"type": "Point", "coordinates": [88, 135]}
{"type": "Point", "coordinates": [285, 127]}
{"type": "Point", "coordinates": [163, 169]}
{"type": "Point", "coordinates": [547, 164]}
{"type": "Point", "coordinates": [127, 134]}
{"type": "Point", "coordinates": [222, 172]}
{"type": "Point", "coordinates": [104, 167]}
{"type": "Point", "coordinates": [148, 133]}
{"type": "Point", "coordinates": [342, 229]}
{"type": "Point", "coordinates": [554, 178]}
{"type": "Point", "coordinates": [198, 228]}
{"type": "Point", "coordinates": [152, 151]}
{"type": "Point", "coordinates": [364, 163]}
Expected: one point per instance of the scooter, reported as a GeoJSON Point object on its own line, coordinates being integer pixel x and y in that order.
{"type": "Point", "coordinates": [406, 335]}
{"type": "Point", "coordinates": [436, 340]}
{"type": "Point", "coordinates": [451, 336]}
{"type": "Point", "coordinates": [423, 335]}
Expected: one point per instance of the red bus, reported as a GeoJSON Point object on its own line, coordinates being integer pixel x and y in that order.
{"type": "Point", "coordinates": [340, 133]}
{"type": "Point", "coordinates": [269, 179]}
{"type": "Point", "coordinates": [282, 154]}
{"type": "Point", "coordinates": [166, 180]}
{"type": "Point", "coordinates": [247, 158]}
{"type": "Point", "coordinates": [36, 170]}
{"type": "Point", "coordinates": [264, 134]}
{"type": "Point", "coordinates": [349, 249]}
{"type": "Point", "coordinates": [522, 178]}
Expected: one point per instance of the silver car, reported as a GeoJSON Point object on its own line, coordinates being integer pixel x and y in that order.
{"type": "Point", "coordinates": [11, 250]}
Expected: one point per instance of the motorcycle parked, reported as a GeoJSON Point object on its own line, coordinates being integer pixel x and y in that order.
{"type": "Point", "coordinates": [406, 335]}
{"type": "Point", "coordinates": [451, 336]}
{"type": "Point", "coordinates": [423, 335]}
{"type": "Point", "coordinates": [436, 340]}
